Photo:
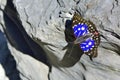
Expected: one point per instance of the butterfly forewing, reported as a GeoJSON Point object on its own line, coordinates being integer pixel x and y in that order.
{"type": "Point", "coordinates": [81, 27]}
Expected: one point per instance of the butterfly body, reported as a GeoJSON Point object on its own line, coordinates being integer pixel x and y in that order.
{"type": "Point", "coordinates": [86, 34]}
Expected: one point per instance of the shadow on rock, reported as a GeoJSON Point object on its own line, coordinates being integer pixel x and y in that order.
{"type": "Point", "coordinates": [73, 53]}
{"type": "Point", "coordinates": [111, 46]}
{"type": "Point", "coordinates": [7, 60]}
{"type": "Point", "coordinates": [18, 37]}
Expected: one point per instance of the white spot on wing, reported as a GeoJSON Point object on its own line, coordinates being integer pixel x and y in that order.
{"type": "Point", "coordinates": [83, 47]}
{"type": "Point", "coordinates": [87, 45]}
{"type": "Point", "coordinates": [92, 46]}
{"type": "Point", "coordinates": [90, 43]}
{"type": "Point", "coordinates": [90, 25]}
{"type": "Point", "coordinates": [78, 28]}
{"type": "Point", "coordinates": [81, 23]}
{"type": "Point", "coordinates": [83, 33]}
{"type": "Point", "coordinates": [75, 31]}
{"type": "Point", "coordinates": [83, 28]}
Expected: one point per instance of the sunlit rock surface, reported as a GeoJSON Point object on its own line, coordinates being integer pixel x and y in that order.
{"type": "Point", "coordinates": [35, 34]}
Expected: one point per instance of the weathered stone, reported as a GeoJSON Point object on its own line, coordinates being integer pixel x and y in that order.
{"type": "Point", "coordinates": [45, 23]}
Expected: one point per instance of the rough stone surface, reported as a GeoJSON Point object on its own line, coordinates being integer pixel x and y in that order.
{"type": "Point", "coordinates": [35, 30]}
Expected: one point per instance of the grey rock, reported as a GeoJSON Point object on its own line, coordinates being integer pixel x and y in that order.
{"type": "Point", "coordinates": [2, 75]}
{"type": "Point", "coordinates": [20, 66]}
{"type": "Point", "coordinates": [40, 25]}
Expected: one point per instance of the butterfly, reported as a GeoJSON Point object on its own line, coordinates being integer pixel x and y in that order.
{"type": "Point", "coordinates": [86, 35]}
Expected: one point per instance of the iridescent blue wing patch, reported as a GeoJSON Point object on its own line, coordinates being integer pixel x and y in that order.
{"type": "Point", "coordinates": [82, 29]}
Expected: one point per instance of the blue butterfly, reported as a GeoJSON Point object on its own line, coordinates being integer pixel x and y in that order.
{"type": "Point", "coordinates": [86, 35]}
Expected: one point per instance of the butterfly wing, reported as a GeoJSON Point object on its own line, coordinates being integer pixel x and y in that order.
{"type": "Point", "coordinates": [81, 27]}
